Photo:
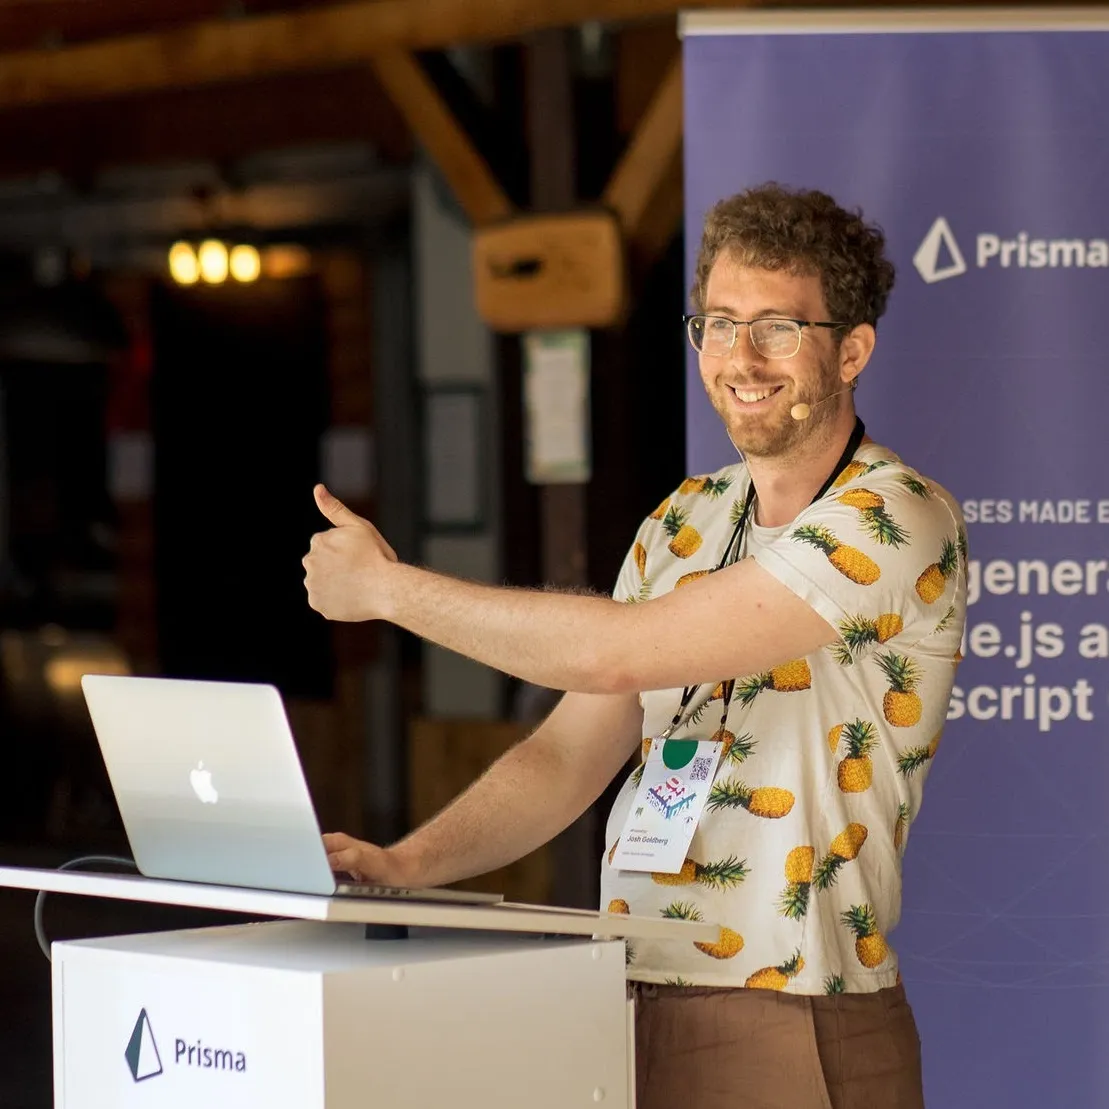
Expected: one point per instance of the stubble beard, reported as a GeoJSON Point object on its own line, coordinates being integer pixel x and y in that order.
{"type": "Point", "coordinates": [766, 440]}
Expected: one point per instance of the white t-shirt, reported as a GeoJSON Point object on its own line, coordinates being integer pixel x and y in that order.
{"type": "Point", "coordinates": [798, 852]}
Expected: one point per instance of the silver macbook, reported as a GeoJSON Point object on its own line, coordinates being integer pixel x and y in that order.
{"type": "Point", "coordinates": [210, 787]}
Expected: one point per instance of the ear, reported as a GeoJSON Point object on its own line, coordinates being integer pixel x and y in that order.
{"type": "Point", "coordinates": [855, 352]}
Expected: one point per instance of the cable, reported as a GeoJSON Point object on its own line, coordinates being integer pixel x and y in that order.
{"type": "Point", "coordinates": [72, 864]}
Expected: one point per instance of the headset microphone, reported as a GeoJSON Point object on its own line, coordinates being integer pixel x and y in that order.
{"type": "Point", "coordinates": [803, 411]}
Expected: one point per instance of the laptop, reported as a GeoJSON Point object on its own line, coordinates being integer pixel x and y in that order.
{"type": "Point", "coordinates": [211, 789]}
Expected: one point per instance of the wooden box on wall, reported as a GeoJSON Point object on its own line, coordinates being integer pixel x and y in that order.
{"type": "Point", "coordinates": [537, 272]}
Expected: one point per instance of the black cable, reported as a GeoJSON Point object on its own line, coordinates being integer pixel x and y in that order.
{"type": "Point", "coordinates": [72, 864]}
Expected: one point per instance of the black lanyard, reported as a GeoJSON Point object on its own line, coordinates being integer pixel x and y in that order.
{"type": "Point", "coordinates": [731, 553]}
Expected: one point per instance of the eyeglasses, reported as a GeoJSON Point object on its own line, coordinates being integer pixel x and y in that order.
{"type": "Point", "coordinates": [771, 336]}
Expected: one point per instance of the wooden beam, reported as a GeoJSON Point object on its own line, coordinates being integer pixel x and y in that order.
{"type": "Point", "coordinates": [642, 52]}
{"type": "Point", "coordinates": [322, 38]}
{"type": "Point", "coordinates": [223, 123]}
{"type": "Point", "coordinates": [35, 24]}
{"type": "Point", "coordinates": [432, 123]}
{"type": "Point", "coordinates": [662, 218]}
{"type": "Point", "coordinates": [649, 155]}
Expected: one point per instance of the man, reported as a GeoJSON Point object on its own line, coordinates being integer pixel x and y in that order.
{"type": "Point", "coordinates": [840, 622]}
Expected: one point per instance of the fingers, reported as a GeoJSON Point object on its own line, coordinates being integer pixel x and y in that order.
{"type": "Point", "coordinates": [347, 860]}
{"type": "Point", "coordinates": [343, 851]}
{"type": "Point", "coordinates": [334, 509]}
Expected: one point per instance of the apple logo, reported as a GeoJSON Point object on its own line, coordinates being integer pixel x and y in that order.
{"type": "Point", "coordinates": [201, 781]}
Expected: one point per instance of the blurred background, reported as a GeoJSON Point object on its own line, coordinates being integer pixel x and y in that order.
{"type": "Point", "coordinates": [240, 252]}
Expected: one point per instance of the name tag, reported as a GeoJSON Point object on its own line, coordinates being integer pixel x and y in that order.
{"type": "Point", "coordinates": [667, 806]}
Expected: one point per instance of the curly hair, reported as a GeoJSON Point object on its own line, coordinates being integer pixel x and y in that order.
{"type": "Point", "coordinates": [804, 232]}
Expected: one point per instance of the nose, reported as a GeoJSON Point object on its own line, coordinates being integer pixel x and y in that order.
{"type": "Point", "coordinates": [743, 352]}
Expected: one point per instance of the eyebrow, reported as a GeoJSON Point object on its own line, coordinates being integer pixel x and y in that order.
{"type": "Point", "coordinates": [764, 313]}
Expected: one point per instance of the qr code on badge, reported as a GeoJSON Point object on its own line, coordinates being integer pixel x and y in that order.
{"type": "Point", "coordinates": [699, 771]}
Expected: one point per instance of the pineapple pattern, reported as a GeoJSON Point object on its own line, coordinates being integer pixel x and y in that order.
{"type": "Point", "coordinates": [849, 561]}
{"type": "Point", "coordinates": [858, 633]}
{"type": "Point", "coordinates": [787, 678]}
{"type": "Point", "coordinates": [685, 579]}
{"type": "Point", "coordinates": [879, 524]}
{"type": "Point", "coordinates": [901, 822]}
{"type": "Point", "coordinates": [706, 485]}
{"type": "Point", "coordinates": [797, 854]}
{"type": "Point", "coordinates": [719, 875]}
{"type": "Point", "coordinates": [932, 582]}
{"type": "Point", "coordinates": [794, 899]}
{"type": "Point", "coordinates": [845, 847]}
{"type": "Point", "coordinates": [913, 758]}
{"type": "Point", "coordinates": [855, 772]}
{"type": "Point", "coordinates": [776, 978]}
{"type": "Point", "coordinates": [901, 704]}
{"type": "Point", "coordinates": [685, 540]}
{"type": "Point", "coordinates": [771, 802]}
{"type": "Point", "coordinates": [871, 948]}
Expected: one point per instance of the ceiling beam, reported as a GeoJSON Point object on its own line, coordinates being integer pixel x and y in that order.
{"type": "Point", "coordinates": [221, 123]}
{"type": "Point", "coordinates": [649, 155]}
{"type": "Point", "coordinates": [433, 124]}
{"type": "Point", "coordinates": [215, 51]}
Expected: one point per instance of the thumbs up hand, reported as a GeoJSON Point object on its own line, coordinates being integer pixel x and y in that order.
{"type": "Point", "coordinates": [346, 568]}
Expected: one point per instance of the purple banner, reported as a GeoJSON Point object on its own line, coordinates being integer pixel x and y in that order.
{"type": "Point", "coordinates": [984, 155]}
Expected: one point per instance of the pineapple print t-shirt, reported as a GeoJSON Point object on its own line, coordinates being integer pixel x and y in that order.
{"type": "Point", "coordinates": [798, 852]}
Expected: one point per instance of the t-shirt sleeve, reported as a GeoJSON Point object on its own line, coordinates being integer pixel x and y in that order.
{"type": "Point", "coordinates": [886, 546]}
{"type": "Point", "coordinates": [630, 579]}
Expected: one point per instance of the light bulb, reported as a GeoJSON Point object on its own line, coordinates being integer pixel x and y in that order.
{"type": "Point", "coordinates": [213, 261]}
{"type": "Point", "coordinates": [183, 266]}
{"type": "Point", "coordinates": [245, 263]}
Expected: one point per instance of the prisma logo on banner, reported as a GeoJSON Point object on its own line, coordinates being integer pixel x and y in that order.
{"type": "Point", "coordinates": [939, 256]}
{"type": "Point", "coordinates": [145, 1061]}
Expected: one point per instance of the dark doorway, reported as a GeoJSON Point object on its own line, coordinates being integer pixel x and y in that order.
{"type": "Point", "coordinates": [240, 400]}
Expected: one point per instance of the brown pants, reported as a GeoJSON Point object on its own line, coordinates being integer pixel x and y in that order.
{"type": "Point", "coordinates": [758, 1049]}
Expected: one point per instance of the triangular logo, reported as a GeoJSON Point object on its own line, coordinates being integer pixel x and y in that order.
{"type": "Point", "coordinates": [939, 256]}
{"type": "Point", "coordinates": [142, 1052]}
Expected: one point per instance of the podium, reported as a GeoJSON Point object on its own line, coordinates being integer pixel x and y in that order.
{"type": "Point", "coordinates": [491, 1006]}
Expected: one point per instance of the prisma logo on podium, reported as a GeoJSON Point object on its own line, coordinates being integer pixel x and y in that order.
{"type": "Point", "coordinates": [940, 257]}
{"type": "Point", "coordinates": [145, 1060]}
{"type": "Point", "coordinates": [142, 1051]}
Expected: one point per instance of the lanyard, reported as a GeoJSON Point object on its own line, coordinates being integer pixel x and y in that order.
{"type": "Point", "coordinates": [731, 553]}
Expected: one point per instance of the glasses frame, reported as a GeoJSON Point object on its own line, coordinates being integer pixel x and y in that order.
{"type": "Point", "coordinates": [736, 324]}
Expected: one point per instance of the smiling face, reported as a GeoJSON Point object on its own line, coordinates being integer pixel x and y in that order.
{"type": "Point", "coordinates": [752, 394]}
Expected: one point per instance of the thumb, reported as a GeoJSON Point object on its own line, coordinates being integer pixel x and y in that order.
{"type": "Point", "coordinates": [334, 509]}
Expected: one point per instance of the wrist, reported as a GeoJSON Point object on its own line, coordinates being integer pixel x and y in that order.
{"type": "Point", "coordinates": [407, 865]}
{"type": "Point", "coordinates": [390, 591]}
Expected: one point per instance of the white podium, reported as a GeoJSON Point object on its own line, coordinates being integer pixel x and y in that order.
{"type": "Point", "coordinates": [492, 1006]}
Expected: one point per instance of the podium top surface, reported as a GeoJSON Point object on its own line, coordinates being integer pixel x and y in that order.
{"type": "Point", "coordinates": [505, 917]}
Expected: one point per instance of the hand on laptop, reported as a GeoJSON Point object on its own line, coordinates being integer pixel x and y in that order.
{"type": "Point", "coordinates": [366, 862]}
{"type": "Point", "coordinates": [345, 567]}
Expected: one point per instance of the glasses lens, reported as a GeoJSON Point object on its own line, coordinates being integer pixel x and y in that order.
{"type": "Point", "coordinates": [695, 329]}
{"type": "Point", "coordinates": [776, 338]}
{"type": "Point", "coordinates": [713, 335]}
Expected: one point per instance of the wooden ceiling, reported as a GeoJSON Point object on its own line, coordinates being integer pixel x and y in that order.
{"type": "Point", "coordinates": [88, 83]}
{"type": "Point", "coordinates": [310, 38]}
{"type": "Point", "coordinates": [84, 83]}
{"type": "Point", "coordinates": [37, 24]}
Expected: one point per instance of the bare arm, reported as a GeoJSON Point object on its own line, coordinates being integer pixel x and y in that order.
{"type": "Point", "coordinates": [529, 795]}
{"type": "Point", "coordinates": [590, 644]}
{"type": "Point", "coordinates": [596, 644]}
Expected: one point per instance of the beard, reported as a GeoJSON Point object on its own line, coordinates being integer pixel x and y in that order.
{"type": "Point", "coordinates": [775, 434]}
